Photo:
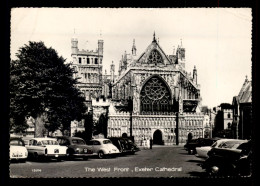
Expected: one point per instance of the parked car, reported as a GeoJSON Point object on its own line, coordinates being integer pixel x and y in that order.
{"type": "Point", "coordinates": [103, 147]}
{"type": "Point", "coordinates": [120, 143]}
{"type": "Point", "coordinates": [26, 140]}
{"type": "Point", "coordinates": [18, 150]}
{"type": "Point", "coordinates": [131, 146]}
{"type": "Point", "coordinates": [41, 148]}
{"type": "Point", "coordinates": [200, 142]}
{"type": "Point", "coordinates": [77, 147]}
{"type": "Point", "coordinates": [234, 158]}
{"type": "Point", "coordinates": [202, 152]}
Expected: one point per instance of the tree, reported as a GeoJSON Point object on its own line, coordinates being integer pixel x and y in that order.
{"type": "Point", "coordinates": [42, 86]}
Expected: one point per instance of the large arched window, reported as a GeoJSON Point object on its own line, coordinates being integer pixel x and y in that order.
{"type": "Point", "coordinates": [155, 96]}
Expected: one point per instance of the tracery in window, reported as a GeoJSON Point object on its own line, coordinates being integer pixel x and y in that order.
{"type": "Point", "coordinates": [155, 57]}
{"type": "Point", "coordinates": [155, 96]}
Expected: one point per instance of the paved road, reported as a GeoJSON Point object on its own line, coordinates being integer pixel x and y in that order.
{"type": "Point", "coordinates": [157, 162]}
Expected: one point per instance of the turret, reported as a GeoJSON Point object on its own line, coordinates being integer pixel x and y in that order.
{"type": "Point", "coordinates": [112, 71]}
{"type": "Point", "coordinates": [181, 55]}
{"type": "Point", "coordinates": [100, 47]}
{"type": "Point", "coordinates": [195, 75]}
{"type": "Point", "coordinates": [134, 49]}
{"type": "Point", "coordinates": [74, 44]}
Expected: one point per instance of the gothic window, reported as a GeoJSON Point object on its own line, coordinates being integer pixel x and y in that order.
{"type": "Point", "coordinates": [79, 60]}
{"type": "Point", "coordinates": [229, 115]}
{"type": "Point", "coordinates": [155, 96]}
{"type": "Point", "coordinates": [87, 60]}
{"type": "Point", "coordinates": [155, 57]}
{"type": "Point", "coordinates": [96, 60]}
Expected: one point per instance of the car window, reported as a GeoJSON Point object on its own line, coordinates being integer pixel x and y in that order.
{"type": "Point", "coordinates": [214, 144]}
{"type": "Point", "coordinates": [96, 143]}
{"type": "Point", "coordinates": [78, 142]}
{"type": "Point", "coordinates": [107, 142]}
{"type": "Point", "coordinates": [231, 144]}
{"type": "Point", "coordinates": [26, 142]}
{"type": "Point", "coordinates": [34, 142]}
{"type": "Point", "coordinates": [16, 142]}
{"type": "Point", "coordinates": [39, 143]}
{"type": "Point", "coordinates": [62, 141]}
{"type": "Point", "coordinates": [49, 142]}
{"type": "Point", "coordinates": [89, 142]}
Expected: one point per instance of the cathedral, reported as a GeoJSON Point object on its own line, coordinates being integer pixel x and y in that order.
{"type": "Point", "coordinates": [151, 97]}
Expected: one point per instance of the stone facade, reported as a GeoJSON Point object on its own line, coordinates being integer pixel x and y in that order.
{"type": "Point", "coordinates": [88, 65]}
{"type": "Point", "coordinates": [158, 87]}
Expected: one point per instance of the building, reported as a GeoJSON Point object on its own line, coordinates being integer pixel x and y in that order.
{"type": "Point", "coordinates": [154, 97]}
{"type": "Point", "coordinates": [207, 124]}
{"type": "Point", "coordinates": [242, 104]}
{"type": "Point", "coordinates": [223, 120]}
{"type": "Point", "coordinates": [88, 67]}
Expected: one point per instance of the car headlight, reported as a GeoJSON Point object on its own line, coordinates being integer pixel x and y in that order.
{"type": "Point", "coordinates": [77, 150]}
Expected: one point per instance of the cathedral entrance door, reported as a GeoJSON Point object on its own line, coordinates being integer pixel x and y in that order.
{"type": "Point", "coordinates": [157, 137]}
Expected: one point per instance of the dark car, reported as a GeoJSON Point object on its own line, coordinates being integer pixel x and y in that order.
{"type": "Point", "coordinates": [120, 143]}
{"type": "Point", "coordinates": [199, 142]}
{"type": "Point", "coordinates": [235, 160]}
{"type": "Point", "coordinates": [131, 146]}
{"type": "Point", "coordinates": [77, 147]}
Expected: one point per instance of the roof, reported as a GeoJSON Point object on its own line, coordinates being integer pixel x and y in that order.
{"type": "Point", "coordinates": [99, 139]}
{"type": "Point", "coordinates": [245, 94]}
{"type": "Point", "coordinates": [44, 139]}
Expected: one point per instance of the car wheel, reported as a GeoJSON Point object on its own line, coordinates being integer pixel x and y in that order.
{"type": "Point", "coordinates": [101, 154]}
{"type": "Point", "coordinates": [213, 171]}
{"type": "Point", "coordinates": [58, 159]}
{"type": "Point", "coordinates": [85, 158]}
{"type": "Point", "coordinates": [189, 151]}
{"type": "Point", "coordinates": [132, 150]}
{"type": "Point", "coordinates": [23, 160]}
{"type": "Point", "coordinates": [35, 156]}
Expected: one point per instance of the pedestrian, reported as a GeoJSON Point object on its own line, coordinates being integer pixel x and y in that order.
{"type": "Point", "coordinates": [144, 143]}
{"type": "Point", "coordinates": [147, 143]}
{"type": "Point", "coordinates": [142, 139]}
{"type": "Point", "coordinates": [151, 143]}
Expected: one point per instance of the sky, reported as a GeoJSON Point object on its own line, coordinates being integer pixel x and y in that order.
{"type": "Point", "coordinates": [217, 40]}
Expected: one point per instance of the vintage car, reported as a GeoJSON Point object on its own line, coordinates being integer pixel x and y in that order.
{"type": "Point", "coordinates": [103, 147]}
{"type": "Point", "coordinates": [200, 142]}
{"type": "Point", "coordinates": [202, 152]}
{"type": "Point", "coordinates": [77, 147]}
{"type": "Point", "coordinates": [43, 148]}
{"type": "Point", "coordinates": [125, 145]}
{"type": "Point", "coordinates": [120, 143]}
{"type": "Point", "coordinates": [131, 146]}
{"type": "Point", "coordinates": [233, 158]}
{"type": "Point", "coordinates": [18, 150]}
{"type": "Point", "coordinates": [26, 140]}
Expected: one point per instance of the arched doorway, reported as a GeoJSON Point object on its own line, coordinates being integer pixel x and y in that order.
{"type": "Point", "coordinates": [157, 137]}
{"type": "Point", "coordinates": [124, 135]}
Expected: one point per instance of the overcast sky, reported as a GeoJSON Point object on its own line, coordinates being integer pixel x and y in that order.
{"type": "Point", "coordinates": [217, 40]}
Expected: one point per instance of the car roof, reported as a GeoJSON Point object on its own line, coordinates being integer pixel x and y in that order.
{"type": "Point", "coordinates": [100, 139]}
{"type": "Point", "coordinates": [69, 137]}
{"type": "Point", "coordinates": [42, 138]}
{"type": "Point", "coordinates": [15, 138]}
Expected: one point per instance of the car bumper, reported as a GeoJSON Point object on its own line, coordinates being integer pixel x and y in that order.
{"type": "Point", "coordinates": [18, 158]}
{"type": "Point", "coordinates": [56, 155]}
{"type": "Point", "coordinates": [82, 155]}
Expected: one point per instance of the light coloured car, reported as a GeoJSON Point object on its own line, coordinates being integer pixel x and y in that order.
{"type": "Point", "coordinates": [42, 148]}
{"type": "Point", "coordinates": [103, 147]}
{"type": "Point", "coordinates": [18, 150]}
{"type": "Point", "coordinates": [202, 152]}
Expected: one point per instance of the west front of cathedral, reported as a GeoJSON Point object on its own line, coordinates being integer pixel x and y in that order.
{"type": "Point", "coordinates": [151, 97]}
